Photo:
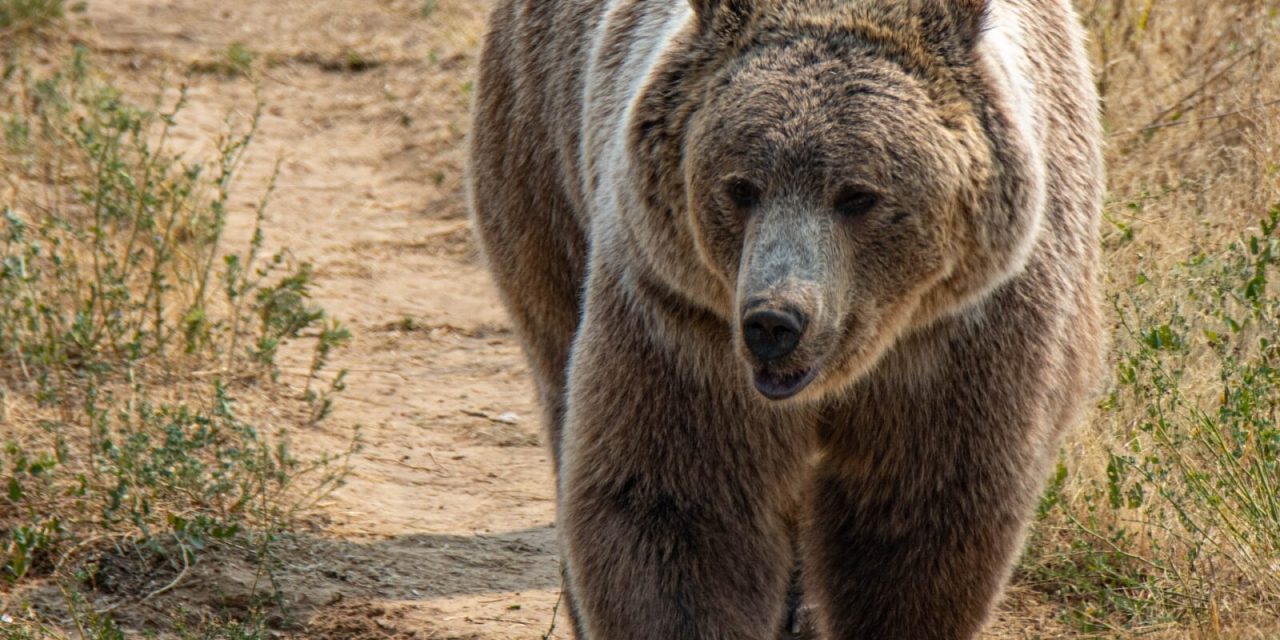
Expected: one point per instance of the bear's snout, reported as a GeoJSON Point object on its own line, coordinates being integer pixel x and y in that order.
{"type": "Point", "coordinates": [773, 334]}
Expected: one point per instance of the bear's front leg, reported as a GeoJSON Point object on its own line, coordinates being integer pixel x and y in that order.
{"type": "Point", "coordinates": [679, 488]}
{"type": "Point", "coordinates": [923, 494]}
{"type": "Point", "coordinates": [877, 576]}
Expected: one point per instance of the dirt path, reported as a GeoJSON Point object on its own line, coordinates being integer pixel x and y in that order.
{"type": "Point", "coordinates": [445, 529]}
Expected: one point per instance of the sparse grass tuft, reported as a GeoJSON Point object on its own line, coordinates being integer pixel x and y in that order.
{"type": "Point", "coordinates": [236, 60]}
{"type": "Point", "coordinates": [25, 17]}
{"type": "Point", "coordinates": [429, 8]}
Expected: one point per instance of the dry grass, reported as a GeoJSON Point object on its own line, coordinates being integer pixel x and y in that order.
{"type": "Point", "coordinates": [1191, 95]}
{"type": "Point", "coordinates": [1153, 525]}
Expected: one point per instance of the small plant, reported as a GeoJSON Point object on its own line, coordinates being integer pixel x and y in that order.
{"type": "Point", "coordinates": [239, 59]}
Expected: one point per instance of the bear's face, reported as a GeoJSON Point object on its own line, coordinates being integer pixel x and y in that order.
{"type": "Point", "coordinates": [825, 186]}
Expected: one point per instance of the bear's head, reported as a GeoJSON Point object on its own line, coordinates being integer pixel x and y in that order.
{"type": "Point", "coordinates": [850, 173]}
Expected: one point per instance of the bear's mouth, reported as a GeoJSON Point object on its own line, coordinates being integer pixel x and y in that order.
{"type": "Point", "coordinates": [776, 385]}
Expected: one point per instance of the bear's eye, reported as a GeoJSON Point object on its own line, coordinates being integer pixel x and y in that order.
{"type": "Point", "coordinates": [853, 202]}
{"type": "Point", "coordinates": [743, 193]}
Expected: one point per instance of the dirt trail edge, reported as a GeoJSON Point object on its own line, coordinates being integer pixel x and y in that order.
{"type": "Point", "coordinates": [446, 527]}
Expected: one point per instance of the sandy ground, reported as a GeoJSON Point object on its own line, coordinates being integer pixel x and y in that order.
{"type": "Point", "coordinates": [445, 529]}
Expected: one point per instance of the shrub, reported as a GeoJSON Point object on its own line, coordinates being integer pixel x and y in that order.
{"type": "Point", "coordinates": [127, 327]}
{"type": "Point", "coordinates": [1179, 524]}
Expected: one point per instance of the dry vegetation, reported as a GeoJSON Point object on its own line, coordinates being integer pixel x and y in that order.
{"type": "Point", "coordinates": [128, 324]}
{"type": "Point", "coordinates": [128, 329]}
{"type": "Point", "coordinates": [1165, 514]}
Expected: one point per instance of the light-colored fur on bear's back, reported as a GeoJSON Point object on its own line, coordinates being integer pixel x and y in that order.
{"type": "Point", "coordinates": [608, 97]}
{"type": "Point", "coordinates": [1006, 47]}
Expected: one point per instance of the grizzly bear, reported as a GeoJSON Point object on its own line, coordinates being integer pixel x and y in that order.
{"type": "Point", "coordinates": [802, 283]}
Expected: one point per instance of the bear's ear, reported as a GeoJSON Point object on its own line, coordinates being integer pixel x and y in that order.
{"type": "Point", "coordinates": [722, 13]}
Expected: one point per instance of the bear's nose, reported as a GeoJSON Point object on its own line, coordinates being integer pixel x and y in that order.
{"type": "Point", "coordinates": [772, 334]}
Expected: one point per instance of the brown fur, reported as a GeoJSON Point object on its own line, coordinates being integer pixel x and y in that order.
{"type": "Point", "coordinates": [950, 328]}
